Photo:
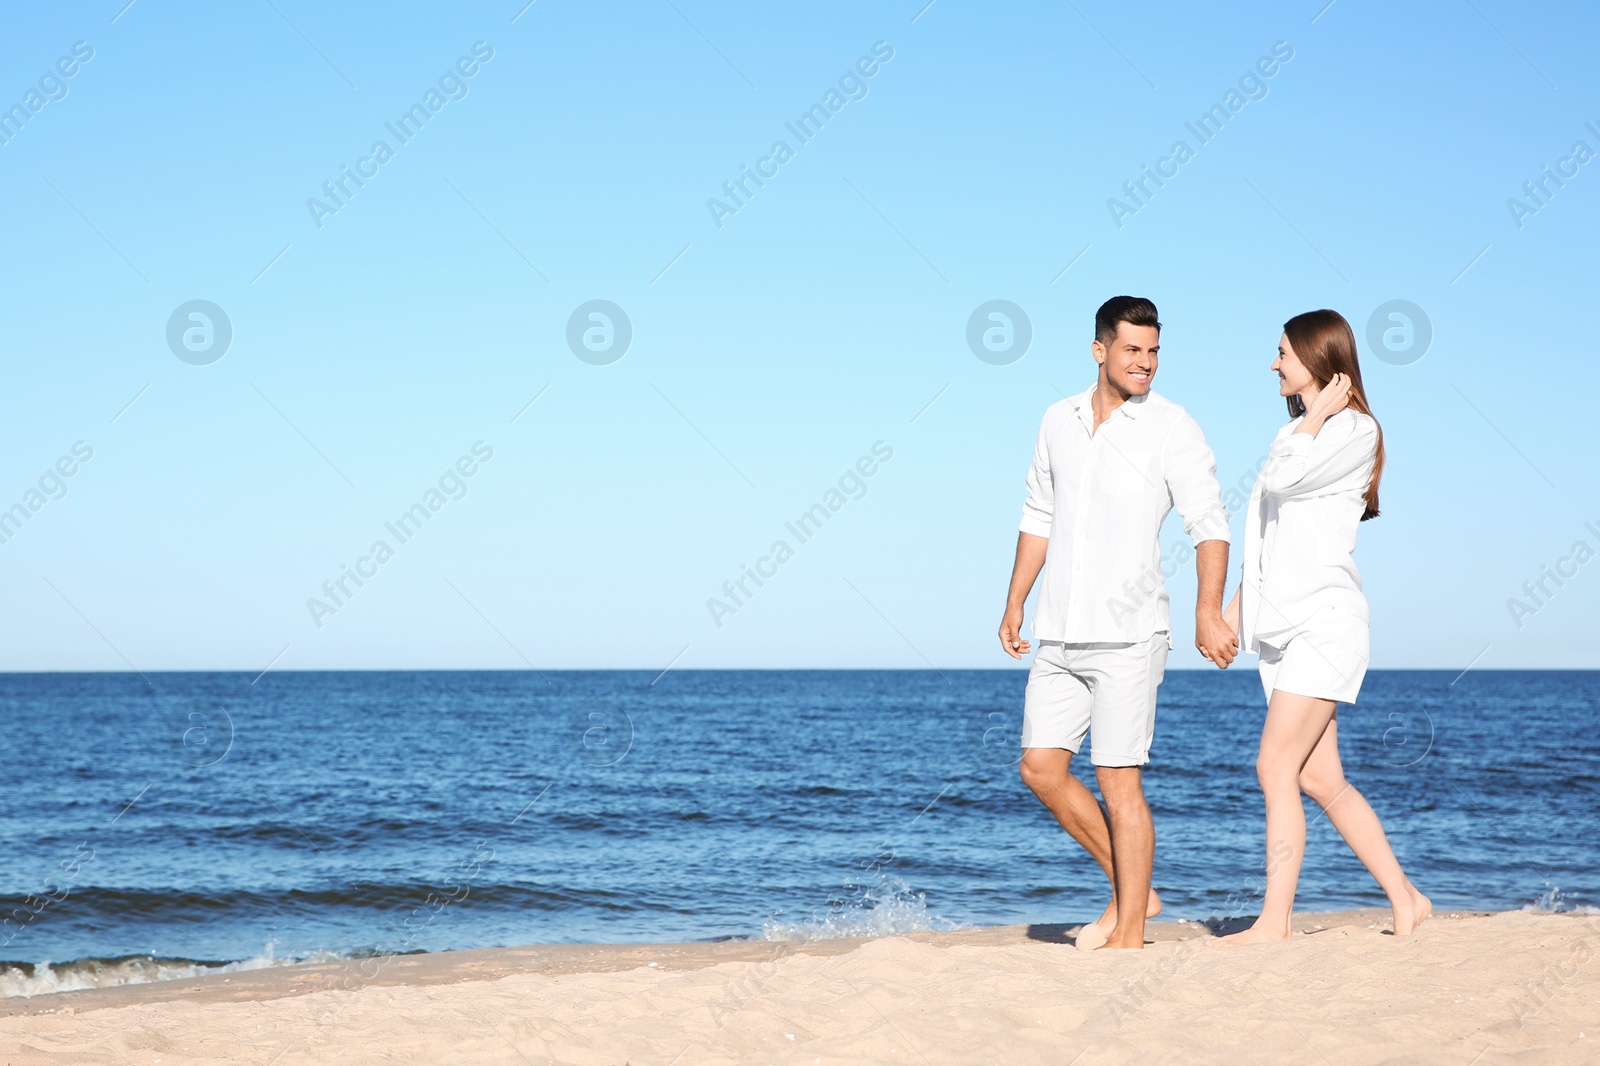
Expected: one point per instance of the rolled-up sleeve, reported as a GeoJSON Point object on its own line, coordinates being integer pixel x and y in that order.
{"type": "Point", "coordinates": [1040, 505]}
{"type": "Point", "coordinates": [1302, 465]}
{"type": "Point", "coordinates": [1191, 472]}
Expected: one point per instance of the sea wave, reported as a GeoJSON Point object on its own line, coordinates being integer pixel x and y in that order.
{"type": "Point", "coordinates": [197, 905]}
{"type": "Point", "coordinates": [1555, 901]}
{"type": "Point", "coordinates": [43, 978]}
{"type": "Point", "coordinates": [889, 907]}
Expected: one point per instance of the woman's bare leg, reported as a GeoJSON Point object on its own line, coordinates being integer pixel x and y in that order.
{"type": "Point", "coordinates": [1294, 726]}
{"type": "Point", "coordinates": [1322, 778]}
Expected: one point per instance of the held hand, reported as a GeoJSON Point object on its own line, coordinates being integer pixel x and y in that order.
{"type": "Point", "coordinates": [1011, 633]}
{"type": "Point", "coordinates": [1333, 398]}
{"type": "Point", "coordinates": [1216, 640]}
{"type": "Point", "coordinates": [1230, 614]}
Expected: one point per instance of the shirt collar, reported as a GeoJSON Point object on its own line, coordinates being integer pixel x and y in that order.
{"type": "Point", "coordinates": [1083, 402]}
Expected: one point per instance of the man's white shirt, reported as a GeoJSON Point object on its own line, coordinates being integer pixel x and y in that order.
{"type": "Point", "coordinates": [1100, 497]}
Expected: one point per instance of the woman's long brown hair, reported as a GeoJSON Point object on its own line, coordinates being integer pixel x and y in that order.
{"type": "Point", "coordinates": [1324, 342]}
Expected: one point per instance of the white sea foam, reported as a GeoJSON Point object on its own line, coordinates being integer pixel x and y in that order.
{"type": "Point", "coordinates": [46, 977]}
{"type": "Point", "coordinates": [887, 908]}
{"type": "Point", "coordinates": [1555, 901]}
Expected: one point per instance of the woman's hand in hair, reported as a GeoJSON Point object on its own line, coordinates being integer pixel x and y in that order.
{"type": "Point", "coordinates": [1333, 398]}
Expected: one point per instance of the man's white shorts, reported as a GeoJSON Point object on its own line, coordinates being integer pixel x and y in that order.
{"type": "Point", "coordinates": [1105, 690]}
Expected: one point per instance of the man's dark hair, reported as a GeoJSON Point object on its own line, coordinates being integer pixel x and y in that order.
{"type": "Point", "coordinates": [1134, 310]}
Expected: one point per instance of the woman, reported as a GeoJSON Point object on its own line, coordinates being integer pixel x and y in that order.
{"type": "Point", "coordinates": [1301, 609]}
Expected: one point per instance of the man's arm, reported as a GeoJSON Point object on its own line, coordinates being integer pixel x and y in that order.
{"type": "Point", "coordinates": [1192, 481]}
{"type": "Point", "coordinates": [1033, 538]}
{"type": "Point", "coordinates": [1030, 560]}
{"type": "Point", "coordinates": [1216, 639]}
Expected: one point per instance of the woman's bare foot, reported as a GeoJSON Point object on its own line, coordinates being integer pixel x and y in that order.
{"type": "Point", "coordinates": [1265, 931]}
{"type": "Point", "coordinates": [1409, 913]}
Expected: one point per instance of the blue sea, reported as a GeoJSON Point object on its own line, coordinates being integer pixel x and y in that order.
{"type": "Point", "coordinates": [182, 823]}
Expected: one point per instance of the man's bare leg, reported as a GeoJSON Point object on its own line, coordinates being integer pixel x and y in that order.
{"type": "Point", "coordinates": [1133, 850]}
{"type": "Point", "coordinates": [1046, 771]}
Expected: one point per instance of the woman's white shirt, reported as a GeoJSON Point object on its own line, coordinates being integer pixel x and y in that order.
{"type": "Point", "coordinates": [1300, 528]}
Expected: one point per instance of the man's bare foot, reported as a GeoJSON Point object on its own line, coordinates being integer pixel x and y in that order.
{"type": "Point", "coordinates": [1108, 918]}
{"type": "Point", "coordinates": [1263, 932]}
{"type": "Point", "coordinates": [1097, 933]}
{"type": "Point", "coordinates": [1089, 937]}
{"type": "Point", "coordinates": [1409, 913]}
{"type": "Point", "coordinates": [1122, 945]}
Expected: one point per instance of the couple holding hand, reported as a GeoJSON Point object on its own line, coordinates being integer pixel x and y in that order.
{"type": "Point", "coordinates": [1109, 465]}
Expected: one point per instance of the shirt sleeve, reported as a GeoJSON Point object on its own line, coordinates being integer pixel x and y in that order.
{"type": "Point", "coordinates": [1191, 472]}
{"type": "Point", "coordinates": [1040, 505]}
{"type": "Point", "coordinates": [1302, 465]}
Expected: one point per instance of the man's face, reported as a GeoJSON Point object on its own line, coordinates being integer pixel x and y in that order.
{"type": "Point", "coordinates": [1130, 360]}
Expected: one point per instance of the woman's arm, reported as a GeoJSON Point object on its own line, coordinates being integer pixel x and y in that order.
{"type": "Point", "coordinates": [1334, 397]}
{"type": "Point", "coordinates": [1300, 465]}
{"type": "Point", "coordinates": [1316, 456]}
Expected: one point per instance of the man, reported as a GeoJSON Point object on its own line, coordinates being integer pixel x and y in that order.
{"type": "Point", "coordinates": [1109, 465]}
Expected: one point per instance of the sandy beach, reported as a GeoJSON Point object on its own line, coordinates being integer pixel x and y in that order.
{"type": "Point", "coordinates": [1467, 988]}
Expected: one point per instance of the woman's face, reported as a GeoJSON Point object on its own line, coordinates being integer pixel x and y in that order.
{"type": "Point", "coordinates": [1293, 377]}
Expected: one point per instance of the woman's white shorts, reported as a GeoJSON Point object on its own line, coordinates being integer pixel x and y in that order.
{"type": "Point", "coordinates": [1326, 658]}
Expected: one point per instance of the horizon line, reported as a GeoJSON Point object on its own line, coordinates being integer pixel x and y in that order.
{"type": "Point", "coordinates": [721, 669]}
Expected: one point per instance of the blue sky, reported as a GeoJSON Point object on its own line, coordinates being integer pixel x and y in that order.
{"type": "Point", "coordinates": [370, 352]}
